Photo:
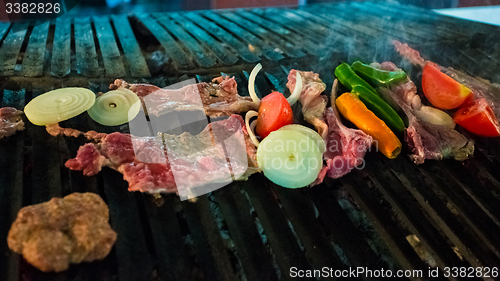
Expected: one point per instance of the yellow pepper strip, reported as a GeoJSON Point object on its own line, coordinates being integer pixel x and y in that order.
{"type": "Point", "coordinates": [355, 111]}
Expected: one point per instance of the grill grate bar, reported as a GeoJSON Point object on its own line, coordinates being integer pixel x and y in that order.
{"type": "Point", "coordinates": [35, 52]}
{"type": "Point", "coordinates": [203, 58]}
{"type": "Point", "coordinates": [86, 56]}
{"type": "Point", "coordinates": [261, 47]}
{"type": "Point", "coordinates": [4, 27]}
{"type": "Point", "coordinates": [482, 225]}
{"type": "Point", "coordinates": [296, 27]}
{"type": "Point", "coordinates": [378, 28]}
{"type": "Point", "coordinates": [131, 49]}
{"type": "Point", "coordinates": [109, 49]}
{"type": "Point", "coordinates": [285, 246]}
{"type": "Point", "coordinates": [210, 249]}
{"type": "Point", "coordinates": [481, 194]}
{"type": "Point", "coordinates": [405, 206]}
{"type": "Point", "coordinates": [11, 47]}
{"type": "Point", "coordinates": [224, 55]}
{"type": "Point", "coordinates": [404, 255]}
{"type": "Point", "coordinates": [301, 213]}
{"type": "Point", "coordinates": [266, 35]}
{"type": "Point", "coordinates": [440, 213]}
{"type": "Point", "coordinates": [354, 245]}
{"type": "Point", "coordinates": [219, 33]}
{"type": "Point", "coordinates": [179, 57]}
{"type": "Point", "coordinates": [132, 256]}
{"type": "Point", "coordinates": [256, 261]}
{"type": "Point", "coordinates": [61, 49]}
{"type": "Point", "coordinates": [298, 40]}
{"type": "Point", "coordinates": [173, 260]}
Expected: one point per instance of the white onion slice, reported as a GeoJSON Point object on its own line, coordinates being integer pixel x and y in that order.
{"type": "Point", "coordinates": [291, 157]}
{"type": "Point", "coordinates": [435, 116]}
{"type": "Point", "coordinates": [250, 127]}
{"type": "Point", "coordinates": [115, 107]}
{"type": "Point", "coordinates": [292, 99]}
{"type": "Point", "coordinates": [320, 142]}
{"type": "Point", "coordinates": [59, 105]}
{"type": "Point", "coordinates": [251, 83]}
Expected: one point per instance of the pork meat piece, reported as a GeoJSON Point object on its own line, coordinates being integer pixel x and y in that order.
{"type": "Point", "coordinates": [313, 103]}
{"type": "Point", "coordinates": [217, 98]}
{"type": "Point", "coordinates": [173, 163]}
{"type": "Point", "coordinates": [54, 234]}
{"type": "Point", "coordinates": [425, 140]}
{"type": "Point", "coordinates": [11, 121]}
{"type": "Point", "coordinates": [88, 160]}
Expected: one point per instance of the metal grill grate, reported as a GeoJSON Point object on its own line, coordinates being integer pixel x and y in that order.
{"type": "Point", "coordinates": [252, 230]}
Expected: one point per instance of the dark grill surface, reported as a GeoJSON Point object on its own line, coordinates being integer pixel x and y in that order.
{"type": "Point", "coordinates": [252, 230]}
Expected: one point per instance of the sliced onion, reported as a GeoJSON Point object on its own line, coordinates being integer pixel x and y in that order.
{"type": "Point", "coordinates": [251, 83]}
{"type": "Point", "coordinates": [292, 99]}
{"type": "Point", "coordinates": [333, 94]}
{"type": "Point", "coordinates": [251, 127]}
{"type": "Point", "coordinates": [59, 105]}
{"type": "Point", "coordinates": [308, 132]}
{"type": "Point", "coordinates": [435, 116]}
{"type": "Point", "coordinates": [115, 107]}
{"type": "Point", "coordinates": [291, 156]}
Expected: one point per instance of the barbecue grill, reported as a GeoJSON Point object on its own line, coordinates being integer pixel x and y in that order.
{"type": "Point", "coordinates": [253, 230]}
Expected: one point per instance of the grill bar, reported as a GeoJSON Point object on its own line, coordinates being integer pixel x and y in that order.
{"type": "Point", "coordinates": [35, 52]}
{"type": "Point", "coordinates": [281, 238]}
{"type": "Point", "coordinates": [202, 58]}
{"type": "Point", "coordinates": [224, 36]}
{"type": "Point", "coordinates": [178, 55]}
{"type": "Point", "coordinates": [11, 47]}
{"type": "Point", "coordinates": [109, 49]}
{"type": "Point", "coordinates": [399, 247]}
{"type": "Point", "coordinates": [246, 36]}
{"type": "Point", "coordinates": [61, 49]}
{"type": "Point", "coordinates": [136, 62]}
{"type": "Point", "coordinates": [223, 54]}
{"type": "Point", "coordinates": [86, 56]}
{"type": "Point", "coordinates": [441, 215]}
{"type": "Point", "coordinates": [263, 33]}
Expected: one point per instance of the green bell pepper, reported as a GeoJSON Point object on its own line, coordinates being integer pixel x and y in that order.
{"type": "Point", "coordinates": [349, 78]}
{"type": "Point", "coordinates": [380, 108]}
{"type": "Point", "coordinates": [378, 77]}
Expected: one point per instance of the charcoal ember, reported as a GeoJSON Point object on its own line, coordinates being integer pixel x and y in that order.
{"type": "Point", "coordinates": [54, 234]}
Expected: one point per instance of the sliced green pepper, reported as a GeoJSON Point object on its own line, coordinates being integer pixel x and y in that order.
{"type": "Point", "coordinates": [381, 108]}
{"type": "Point", "coordinates": [349, 78]}
{"type": "Point", "coordinates": [378, 77]}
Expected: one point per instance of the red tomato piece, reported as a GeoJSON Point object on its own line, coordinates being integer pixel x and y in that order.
{"type": "Point", "coordinates": [441, 90]}
{"type": "Point", "coordinates": [478, 119]}
{"type": "Point", "coordinates": [274, 113]}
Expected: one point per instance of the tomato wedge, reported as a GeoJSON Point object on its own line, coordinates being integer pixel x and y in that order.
{"type": "Point", "coordinates": [478, 119]}
{"type": "Point", "coordinates": [274, 113]}
{"type": "Point", "coordinates": [441, 90]}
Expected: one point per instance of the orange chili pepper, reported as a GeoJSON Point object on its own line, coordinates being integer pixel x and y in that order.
{"type": "Point", "coordinates": [355, 111]}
